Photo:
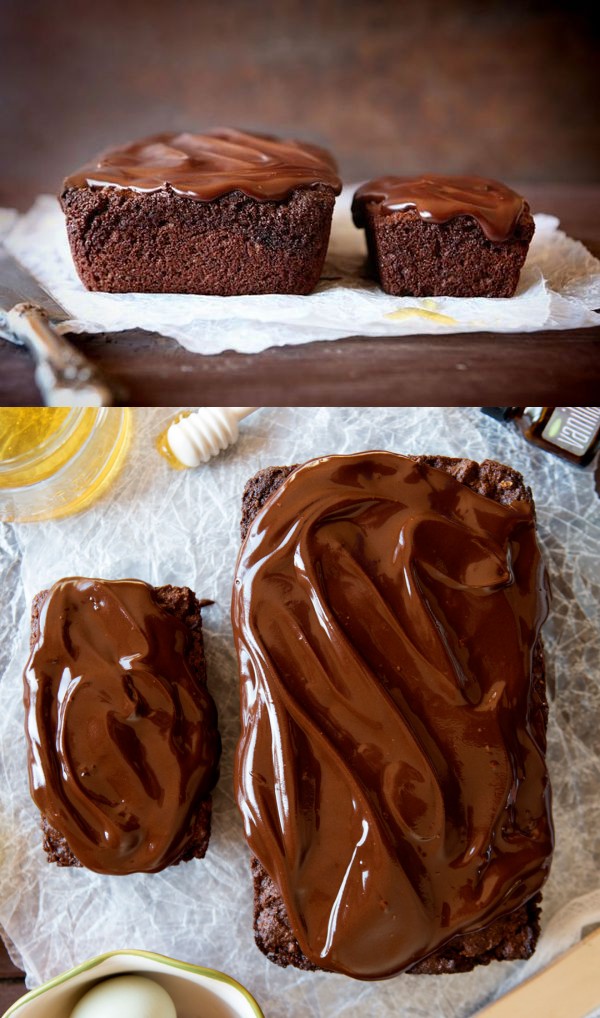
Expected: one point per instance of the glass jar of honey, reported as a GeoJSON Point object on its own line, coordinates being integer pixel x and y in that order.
{"type": "Point", "coordinates": [54, 461]}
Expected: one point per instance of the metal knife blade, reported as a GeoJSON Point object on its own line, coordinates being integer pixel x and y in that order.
{"type": "Point", "coordinates": [17, 286]}
{"type": "Point", "coordinates": [27, 316]}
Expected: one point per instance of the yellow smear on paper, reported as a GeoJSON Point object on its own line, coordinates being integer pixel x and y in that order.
{"type": "Point", "coordinates": [426, 310]}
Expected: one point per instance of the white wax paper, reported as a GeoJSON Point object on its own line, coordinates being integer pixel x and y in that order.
{"type": "Point", "coordinates": [559, 289]}
{"type": "Point", "coordinates": [165, 526]}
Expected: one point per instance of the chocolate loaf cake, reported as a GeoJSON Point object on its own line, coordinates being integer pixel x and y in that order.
{"type": "Point", "coordinates": [221, 213]}
{"type": "Point", "coordinates": [122, 737]}
{"type": "Point", "coordinates": [444, 236]}
{"type": "Point", "coordinates": [390, 770]}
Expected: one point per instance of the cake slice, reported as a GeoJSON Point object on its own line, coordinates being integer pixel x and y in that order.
{"type": "Point", "coordinates": [435, 236]}
{"type": "Point", "coordinates": [222, 213]}
{"type": "Point", "coordinates": [351, 725]}
{"type": "Point", "coordinates": [122, 737]}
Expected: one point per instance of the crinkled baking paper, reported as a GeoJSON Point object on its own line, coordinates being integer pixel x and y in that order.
{"type": "Point", "coordinates": [559, 289]}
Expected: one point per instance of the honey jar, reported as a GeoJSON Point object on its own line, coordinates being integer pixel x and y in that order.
{"type": "Point", "coordinates": [54, 461]}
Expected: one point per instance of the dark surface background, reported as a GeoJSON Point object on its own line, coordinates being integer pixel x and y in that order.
{"type": "Point", "coordinates": [504, 89]}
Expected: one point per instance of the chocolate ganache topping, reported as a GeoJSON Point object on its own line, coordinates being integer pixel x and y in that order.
{"type": "Point", "coordinates": [438, 199]}
{"type": "Point", "coordinates": [122, 738]}
{"type": "Point", "coordinates": [390, 771]}
{"type": "Point", "coordinates": [208, 166]}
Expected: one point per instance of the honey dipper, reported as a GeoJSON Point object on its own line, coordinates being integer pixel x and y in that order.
{"type": "Point", "coordinates": [196, 437]}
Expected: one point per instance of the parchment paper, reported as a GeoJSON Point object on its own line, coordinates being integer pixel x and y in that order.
{"type": "Point", "coordinates": [559, 289]}
{"type": "Point", "coordinates": [165, 526]}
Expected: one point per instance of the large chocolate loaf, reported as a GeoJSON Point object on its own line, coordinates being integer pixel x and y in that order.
{"type": "Point", "coordinates": [222, 213]}
{"type": "Point", "coordinates": [508, 927]}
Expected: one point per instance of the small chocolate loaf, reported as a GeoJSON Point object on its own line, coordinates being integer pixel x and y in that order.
{"type": "Point", "coordinates": [119, 721]}
{"type": "Point", "coordinates": [511, 932]}
{"type": "Point", "coordinates": [444, 236]}
{"type": "Point", "coordinates": [221, 213]}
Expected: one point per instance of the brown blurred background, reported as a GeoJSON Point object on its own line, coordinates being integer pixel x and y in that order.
{"type": "Point", "coordinates": [499, 88]}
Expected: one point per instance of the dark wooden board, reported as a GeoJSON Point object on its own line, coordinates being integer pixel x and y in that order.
{"type": "Point", "coordinates": [7, 969]}
{"type": "Point", "coordinates": [541, 369]}
{"type": "Point", "coordinates": [11, 990]}
{"type": "Point", "coordinates": [12, 985]}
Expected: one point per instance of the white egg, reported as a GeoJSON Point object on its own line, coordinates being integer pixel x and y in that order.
{"type": "Point", "coordinates": [125, 997]}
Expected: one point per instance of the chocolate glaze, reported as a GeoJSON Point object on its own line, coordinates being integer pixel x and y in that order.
{"type": "Point", "coordinates": [207, 166]}
{"type": "Point", "coordinates": [390, 771]}
{"type": "Point", "coordinates": [122, 738]}
{"type": "Point", "coordinates": [438, 199]}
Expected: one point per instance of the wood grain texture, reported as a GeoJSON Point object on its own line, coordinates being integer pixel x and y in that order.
{"type": "Point", "coordinates": [568, 988]}
{"type": "Point", "coordinates": [544, 369]}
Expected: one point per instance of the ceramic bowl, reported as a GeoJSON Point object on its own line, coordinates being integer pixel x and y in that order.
{"type": "Point", "coordinates": [195, 990]}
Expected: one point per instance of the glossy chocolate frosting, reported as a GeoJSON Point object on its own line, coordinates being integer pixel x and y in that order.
{"type": "Point", "coordinates": [390, 771]}
{"type": "Point", "coordinates": [122, 738]}
{"type": "Point", "coordinates": [207, 166]}
{"type": "Point", "coordinates": [438, 199]}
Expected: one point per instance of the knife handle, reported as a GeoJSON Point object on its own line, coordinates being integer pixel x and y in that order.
{"type": "Point", "coordinates": [63, 375]}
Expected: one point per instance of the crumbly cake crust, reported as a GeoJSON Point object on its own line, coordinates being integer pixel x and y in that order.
{"type": "Point", "coordinates": [183, 603]}
{"type": "Point", "coordinates": [126, 241]}
{"type": "Point", "coordinates": [415, 258]}
{"type": "Point", "coordinates": [514, 935]}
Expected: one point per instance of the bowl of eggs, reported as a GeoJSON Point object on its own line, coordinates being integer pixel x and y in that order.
{"type": "Point", "coordinates": [137, 984]}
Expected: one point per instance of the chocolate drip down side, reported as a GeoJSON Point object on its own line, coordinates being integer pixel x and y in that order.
{"type": "Point", "coordinates": [122, 737]}
{"type": "Point", "coordinates": [439, 199]}
{"type": "Point", "coordinates": [390, 771]}
{"type": "Point", "coordinates": [208, 166]}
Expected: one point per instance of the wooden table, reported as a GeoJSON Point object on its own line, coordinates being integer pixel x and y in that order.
{"type": "Point", "coordinates": [11, 980]}
{"type": "Point", "coordinates": [544, 368]}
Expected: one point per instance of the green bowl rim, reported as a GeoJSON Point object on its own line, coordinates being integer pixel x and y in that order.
{"type": "Point", "coordinates": [171, 962]}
